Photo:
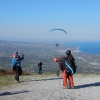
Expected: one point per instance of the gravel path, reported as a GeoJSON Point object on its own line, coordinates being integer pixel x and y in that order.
{"type": "Point", "coordinates": [50, 88]}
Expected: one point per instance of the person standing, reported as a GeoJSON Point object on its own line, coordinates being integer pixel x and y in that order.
{"type": "Point", "coordinates": [40, 67]}
{"type": "Point", "coordinates": [62, 66]}
{"type": "Point", "coordinates": [16, 63]}
{"type": "Point", "coordinates": [70, 59]}
{"type": "Point", "coordinates": [67, 76]}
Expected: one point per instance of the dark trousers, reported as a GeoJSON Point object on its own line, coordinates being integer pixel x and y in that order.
{"type": "Point", "coordinates": [18, 71]}
{"type": "Point", "coordinates": [40, 70]}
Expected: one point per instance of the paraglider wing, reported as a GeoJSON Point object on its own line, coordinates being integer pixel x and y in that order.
{"type": "Point", "coordinates": [58, 29]}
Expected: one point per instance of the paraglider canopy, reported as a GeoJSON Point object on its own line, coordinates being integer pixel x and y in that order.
{"type": "Point", "coordinates": [58, 29]}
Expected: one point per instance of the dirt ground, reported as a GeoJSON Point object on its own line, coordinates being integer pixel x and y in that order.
{"type": "Point", "coordinates": [87, 87]}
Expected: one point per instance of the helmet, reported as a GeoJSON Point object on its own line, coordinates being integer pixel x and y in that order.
{"type": "Point", "coordinates": [68, 52]}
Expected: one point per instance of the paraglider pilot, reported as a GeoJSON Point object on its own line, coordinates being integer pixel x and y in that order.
{"type": "Point", "coordinates": [56, 45]}
{"type": "Point", "coordinates": [66, 74]}
{"type": "Point", "coordinates": [16, 63]}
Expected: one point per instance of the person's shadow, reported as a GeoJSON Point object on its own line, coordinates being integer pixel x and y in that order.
{"type": "Point", "coordinates": [12, 93]}
{"type": "Point", "coordinates": [88, 85]}
{"type": "Point", "coordinates": [43, 79]}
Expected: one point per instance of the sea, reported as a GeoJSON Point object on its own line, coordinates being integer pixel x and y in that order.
{"type": "Point", "coordinates": [87, 47]}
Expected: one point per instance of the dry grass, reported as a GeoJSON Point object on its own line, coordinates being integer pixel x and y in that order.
{"type": "Point", "coordinates": [6, 80]}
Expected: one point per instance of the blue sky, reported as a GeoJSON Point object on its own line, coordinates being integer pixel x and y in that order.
{"type": "Point", "coordinates": [32, 19]}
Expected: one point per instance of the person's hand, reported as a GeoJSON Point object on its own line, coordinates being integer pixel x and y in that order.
{"type": "Point", "coordinates": [22, 55]}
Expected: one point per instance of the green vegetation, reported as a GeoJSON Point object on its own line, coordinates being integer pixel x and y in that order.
{"type": "Point", "coordinates": [6, 80]}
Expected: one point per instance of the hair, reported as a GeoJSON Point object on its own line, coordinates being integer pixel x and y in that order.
{"type": "Point", "coordinates": [16, 52]}
{"type": "Point", "coordinates": [68, 52]}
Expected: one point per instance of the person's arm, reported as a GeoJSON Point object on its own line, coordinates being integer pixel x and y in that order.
{"type": "Point", "coordinates": [21, 58]}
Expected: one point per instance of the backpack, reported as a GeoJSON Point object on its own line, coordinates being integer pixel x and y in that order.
{"type": "Point", "coordinates": [71, 69]}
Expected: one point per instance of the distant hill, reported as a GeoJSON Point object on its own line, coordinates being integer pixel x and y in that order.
{"type": "Point", "coordinates": [45, 52]}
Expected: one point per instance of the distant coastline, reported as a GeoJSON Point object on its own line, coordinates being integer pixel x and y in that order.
{"type": "Point", "coordinates": [87, 47]}
{"type": "Point", "coordinates": [78, 49]}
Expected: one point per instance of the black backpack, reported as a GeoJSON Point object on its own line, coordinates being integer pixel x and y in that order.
{"type": "Point", "coordinates": [63, 62]}
{"type": "Point", "coordinates": [71, 68]}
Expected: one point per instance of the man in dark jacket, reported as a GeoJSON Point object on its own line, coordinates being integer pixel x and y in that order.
{"type": "Point", "coordinates": [40, 67]}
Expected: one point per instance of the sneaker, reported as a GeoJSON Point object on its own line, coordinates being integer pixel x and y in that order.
{"type": "Point", "coordinates": [19, 81]}
{"type": "Point", "coordinates": [72, 87]}
{"type": "Point", "coordinates": [65, 87]}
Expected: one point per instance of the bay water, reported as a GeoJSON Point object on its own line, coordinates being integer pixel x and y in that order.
{"type": "Point", "coordinates": [87, 47]}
